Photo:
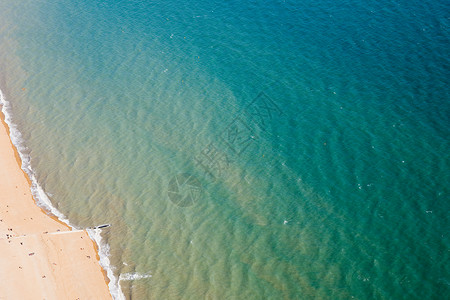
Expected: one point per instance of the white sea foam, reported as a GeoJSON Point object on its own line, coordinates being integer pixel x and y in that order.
{"type": "Point", "coordinates": [44, 202]}
{"type": "Point", "coordinates": [133, 276]}
{"type": "Point", "coordinates": [103, 252]}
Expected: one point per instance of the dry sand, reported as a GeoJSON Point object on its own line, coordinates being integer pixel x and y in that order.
{"type": "Point", "coordinates": [40, 257]}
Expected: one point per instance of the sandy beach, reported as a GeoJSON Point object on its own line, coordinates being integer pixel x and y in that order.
{"type": "Point", "coordinates": [40, 257]}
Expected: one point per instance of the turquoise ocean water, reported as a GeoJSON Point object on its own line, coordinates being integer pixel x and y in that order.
{"type": "Point", "coordinates": [241, 149]}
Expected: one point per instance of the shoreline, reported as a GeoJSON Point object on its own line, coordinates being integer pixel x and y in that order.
{"type": "Point", "coordinates": [19, 164]}
{"type": "Point", "coordinates": [40, 255]}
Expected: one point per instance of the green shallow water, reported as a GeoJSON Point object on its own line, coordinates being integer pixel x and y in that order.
{"type": "Point", "coordinates": [270, 150]}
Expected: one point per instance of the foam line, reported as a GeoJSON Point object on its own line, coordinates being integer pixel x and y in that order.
{"type": "Point", "coordinates": [103, 252]}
